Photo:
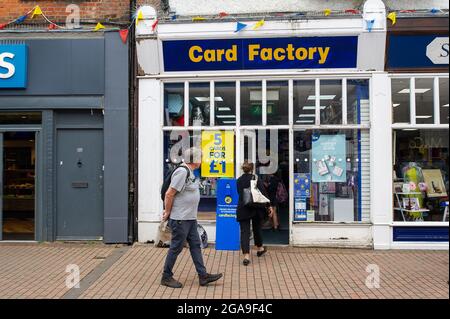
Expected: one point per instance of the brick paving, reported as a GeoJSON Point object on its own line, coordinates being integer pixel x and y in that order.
{"type": "Point", "coordinates": [38, 271]}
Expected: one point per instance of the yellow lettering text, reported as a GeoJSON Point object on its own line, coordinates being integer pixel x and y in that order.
{"type": "Point", "coordinates": [279, 54]}
{"type": "Point", "coordinates": [312, 52]}
{"type": "Point", "coordinates": [193, 57]}
{"type": "Point", "coordinates": [232, 54]}
{"type": "Point", "coordinates": [253, 50]}
{"type": "Point", "coordinates": [266, 54]}
{"type": "Point", "coordinates": [301, 54]}
{"type": "Point", "coordinates": [210, 56]}
{"type": "Point", "coordinates": [323, 52]}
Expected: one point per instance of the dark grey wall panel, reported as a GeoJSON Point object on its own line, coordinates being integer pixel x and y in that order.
{"type": "Point", "coordinates": [64, 67]}
{"type": "Point", "coordinates": [116, 139]}
{"type": "Point", "coordinates": [50, 102]}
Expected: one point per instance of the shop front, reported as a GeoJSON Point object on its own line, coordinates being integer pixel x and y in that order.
{"type": "Point", "coordinates": [63, 137]}
{"type": "Point", "coordinates": [417, 126]}
{"type": "Point", "coordinates": [296, 100]}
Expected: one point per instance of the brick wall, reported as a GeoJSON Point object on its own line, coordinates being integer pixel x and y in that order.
{"type": "Point", "coordinates": [55, 10]}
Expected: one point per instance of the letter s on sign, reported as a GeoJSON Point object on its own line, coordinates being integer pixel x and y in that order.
{"type": "Point", "coordinates": [11, 69]}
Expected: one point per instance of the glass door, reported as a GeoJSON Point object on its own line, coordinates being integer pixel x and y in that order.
{"type": "Point", "coordinates": [17, 185]}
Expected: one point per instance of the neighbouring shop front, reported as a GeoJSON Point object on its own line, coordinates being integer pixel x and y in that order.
{"type": "Point", "coordinates": [417, 124]}
{"type": "Point", "coordinates": [63, 137]}
{"type": "Point", "coordinates": [297, 103]}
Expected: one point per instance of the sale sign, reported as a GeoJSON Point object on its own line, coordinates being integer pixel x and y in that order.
{"type": "Point", "coordinates": [218, 154]}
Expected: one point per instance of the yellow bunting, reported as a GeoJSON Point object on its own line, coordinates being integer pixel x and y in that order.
{"type": "Point", "coordinates": [198, 19]}
{"type": "Point", "coordinates": [139, 17]}
{"type": "Point", "coordinates": [259, 24]}
{"type": "Point", "coordinates": [393, 17]}
{"type": "Point", "coordinates": [327, 12]}
{"type": "Point", "coordinates": [37, 11]}
{"type": "Point", "coordinates": [99, 26]}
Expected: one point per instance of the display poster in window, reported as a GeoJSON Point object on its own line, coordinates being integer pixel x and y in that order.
{"type": "Point", "coordinates": [300, 212]}
{"type": "Point", "coordinates": [218, 154]}
{"type": "Point", "coordinates": [329, 158]}
{"type": "Point", "coordinates": [435, 186]}
{"type": "Point", "coordinates": [302, 185]}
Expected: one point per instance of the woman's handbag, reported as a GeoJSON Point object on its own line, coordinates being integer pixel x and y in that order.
{"type": "Point", "coordinates": [252, 196]}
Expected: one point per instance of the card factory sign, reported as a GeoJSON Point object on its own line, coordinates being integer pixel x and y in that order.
{"type": "Point", "coordinates": [266, 53]}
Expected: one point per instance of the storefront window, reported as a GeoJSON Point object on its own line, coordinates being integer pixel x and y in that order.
{"type": "Point", "coordinates": [424, 101]}
{"type": "Point", "coordinates": [331, 176]}
{"type": "Point", "coordinates": [443, 100]}
{"type": "Point", "coordinates": [304, 102]}
{"type": "Point", "coordinates": [225, 103]}
{"type": "Point", "coordinates": [174, 104]}
{"type": "Point", "coordinates": [358, 103]}
{"type": "Point", "coordinates": [401, 101]}
{"type": "Point", "coordinates": [199, 104]}
{"type": "Point", "coordinates": [11, 118]}
{"type": "Point", "coordinates": [421, 179]}
{"type": "Point", "coordinates": [331, 99]}
{"type": "Point", "coordinates": [277, 102]}
{"type": "Point", "coordinates": [251, 103]}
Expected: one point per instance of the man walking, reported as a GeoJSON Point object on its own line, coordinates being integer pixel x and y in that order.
{"type": "Point", "coordinates": [181, 207]}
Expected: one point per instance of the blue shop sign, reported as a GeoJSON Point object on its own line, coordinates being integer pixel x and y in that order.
{"type": "Point", "coordinates": [13, 66]}
{"type": "Point", "coordinates": [257, 54]}
{"type": "Point", "coordinates": [417, 51]}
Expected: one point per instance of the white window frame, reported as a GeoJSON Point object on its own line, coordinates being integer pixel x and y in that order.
{"type": "Point", "coordinates": [412, 125]}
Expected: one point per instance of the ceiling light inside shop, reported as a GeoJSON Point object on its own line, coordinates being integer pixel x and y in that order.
{"type": "Point", "coordinates": [310, 107]}
{"type": "Point", "coordinates": [322, 97]}
{"type": "Point", "coordinates": [229, 122]}
{"type": "Point", "coordinates": [418, 91]}
{"type": "Point", "coordinates": [410, 129]}
{"type": "Point", "coordinates": [224, 109]}
{"type": "Point", "coordinates": [396, 104]}
{"type": "Point", "coordinates": [207, 99]}
{"type": "Point", "coordinates": [272, 95]}
{"type": "Point", "coordinates": [226, 116]}
{"type": "Point", "coordinates": [445, 105]}
{"type": "Point", "coordinates": [304, 121]}
{"type": "Point", "coordinates": [424, 116]}
{"type": "Point", "coordinates": [307, 115]}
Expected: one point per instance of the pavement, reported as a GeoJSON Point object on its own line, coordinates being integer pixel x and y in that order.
{"type": "Point", "coordinates": [52, 270]}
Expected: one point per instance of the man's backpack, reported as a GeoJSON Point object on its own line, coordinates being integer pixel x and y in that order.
{"type": "Point", "coordinates": [168, 179]}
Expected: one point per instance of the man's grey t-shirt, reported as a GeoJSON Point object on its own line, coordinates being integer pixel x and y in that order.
{"type": "Point", "coordinates": [185, 203]}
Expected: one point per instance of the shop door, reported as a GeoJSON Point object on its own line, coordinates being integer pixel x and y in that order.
{"type": "Point", "coordinates": [79, 185]}
{"type": "Point", "coordinates": [269, 151]}
{"type": "Point", "coordinates": [17, 185]}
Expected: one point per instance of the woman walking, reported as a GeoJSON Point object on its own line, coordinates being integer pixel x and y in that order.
{"type": "Point", "coordinates": [253, 215]}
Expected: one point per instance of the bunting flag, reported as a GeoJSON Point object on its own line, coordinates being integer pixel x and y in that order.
{"type": "Point", "coordinates": [240, 26]}
{"type": "Point", "coordinates": [37, 11]}
{"type": "Point", "coordinates": [196, 19]}
{"type": "Point", "coordinates": [139, 17]}
{"type": "Point", "coordinates": [259, 24]}
{"type": "Point", "coordinates": [21, 19]}
{"type": "Point", "coordinates": [435, 10]}
{"type": "Point", "coordinates": [2, 26]}
{"type": "Point", "coordinates": [327, 12]}
{"type": "Point", "coordinates": [408, 11]}
{"type": "Point", "coordinates": [52, 26]}
{"type": "Point", "coordinates": [155, 24]}
{"type": "Point", "coordinates": [353, 11]}
{"type": "Point", "coordinates": [174, 17]}
{"type": "Point", "coordinates": [223, 14]}
{"type": "Point", "coordinates": [393, 17]}
{"type": "Point", "coordinates": [99, 26]}
{"type": "Point", "coordinates": [370, 24]}
{"type": "Point", "coordinates": [124, 35]}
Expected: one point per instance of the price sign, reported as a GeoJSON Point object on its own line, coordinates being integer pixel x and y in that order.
{"type": "Point", "coordinates": [218, 154]}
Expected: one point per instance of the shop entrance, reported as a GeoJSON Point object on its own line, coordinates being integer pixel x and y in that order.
{"type": "Point", "coordinates": [18, 185]}
{"type": "Point", "coordinates": [269, 150]}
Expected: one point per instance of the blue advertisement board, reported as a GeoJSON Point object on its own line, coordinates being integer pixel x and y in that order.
{"type": "Point", "coordinates": [329, 158]}
{"type": "Point", "coordinates": [417, 51]}
{"type": "Point", "coordinates": [13, 66]}
{"type": "Point", "coordinates": [302, 185]}
{"type": "Point", "coordinates": [264, 53]}
{"type": "Point", "coordinates": [227, 227]}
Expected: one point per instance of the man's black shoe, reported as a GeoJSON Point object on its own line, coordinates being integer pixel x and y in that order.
{"type": "Point", "coordinates": [171, 283]}
{"type": "Point", "coordinates": [204, 280]}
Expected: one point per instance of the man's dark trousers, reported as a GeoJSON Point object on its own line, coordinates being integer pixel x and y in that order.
{"type": "Point", "coordinates": [184, 230]}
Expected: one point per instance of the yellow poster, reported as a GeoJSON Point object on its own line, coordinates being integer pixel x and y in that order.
{"type": "Point", "coordinates": [218, 154]}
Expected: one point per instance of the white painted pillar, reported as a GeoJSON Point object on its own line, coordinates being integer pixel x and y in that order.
{"type": "Point", "coordinates": [381, 161]}
{"type": "Point", "coordinates": [150, 158]}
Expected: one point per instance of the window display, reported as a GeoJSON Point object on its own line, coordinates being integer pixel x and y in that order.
{"type": "Point", "coordinates": [277, 102]}
{"type": "Point", "coordinates": [421, 181]}
{"type": "Point", "coordinates": [251, 103]}
{"type": "Point", "coordinates": [199, 104]}
{"type": "Point", "coordinates": [174, 104]}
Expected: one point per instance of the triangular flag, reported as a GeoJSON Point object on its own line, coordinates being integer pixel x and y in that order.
{"type": "Point", "coordinates": [21, 19]}
{"type": "Point", "coordinates": [99, 26]}
{"type": "Point", "coordinates": [52, 26]}
{"type": "Point", "coordinates": [354, 11]}
{"type": "Point", "coordinates": [2, 26]}
{"type": "Point", "coordinates": [155, 24]}
{"type": "Point", "coordinates": [393, 17]}
{"type": "Point", "coordinates": [408, 11]}
{"type": "Point", "coordinates": [327, 12]}
{"type": "Point", "coordinates": [370, 24]}
{"type": "Point", "coordinates": [124, 35]}
{"type": "Point", "coordinates": [223, 14]}
{"type": "Point", "coordinates": [259, 24]}
{"type": "Point", "coordinates": [240, 26]}
{"type": "Point", "coordinates": [435, 10]}
{"type": "Point", "coordinates": [198, 19]}
{"type": "Point", "coordinates": [139, 17]}
{"type": "Point", "coordinates": [174, 17]}
{"type": "Point", "coordinates": [37, 11]}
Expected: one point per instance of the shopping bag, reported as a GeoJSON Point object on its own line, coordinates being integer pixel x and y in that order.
{"type": "Point", "coordinates": [164, 235]}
